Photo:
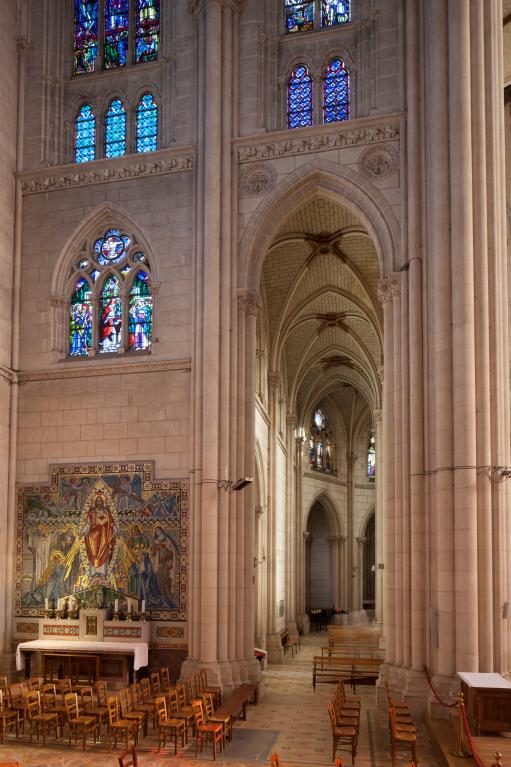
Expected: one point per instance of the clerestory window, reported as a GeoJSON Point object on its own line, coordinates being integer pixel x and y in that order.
{"type": "Point", "coordinates": [315, 14]}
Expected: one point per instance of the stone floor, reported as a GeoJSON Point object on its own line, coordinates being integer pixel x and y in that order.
{"type": "Point", "coordinates": [291, 720]}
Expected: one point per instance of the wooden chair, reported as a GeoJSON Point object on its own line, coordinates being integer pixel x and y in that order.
{"type": "Point", "coordinates": [78, 721]}
{"type": "Point", "coordinates": [155, 683]}
{"type": "Point", "coordinates": [139, 717]}
{"type": "Point", "coordinates": [399, 738]}
{"type": "Point", "coordinates": [171, 726]}
{"type": "Point", "coordinates": [166, 684]}
{"type": "Point", "coordinates": [184, 710]}
{"type": "Point", "coordinates": [90, 708]}
{"type": "Point", "coordinates": [38, 720]}
{"type": "Point", "coordinates": [129, 758]}
{"type": "Point", "coordinates": [34, 683]}
{"type": "Point", "coordinates": [215, 691]}
{"type": "Point", "coordinates": [124, 727]}
{"type": "Point", "coordinates": [225, 721]}
{"type": "Point", "coordinates": [9, 718]}
{"type": "Point", "coordinates": [138, 704]}
{"type": "Point", "coordinates": [51, 705]}
{"type": "Point", "coordinates": [17, 702]}
{"type": "Point", "coordinates": [344, 734]}
{"type": "Point", "coordinates": [348, 701]}
{"type": "Point", "coordinates": [209, 733]}
{"type": "Point", "coordinates": [345, 717]}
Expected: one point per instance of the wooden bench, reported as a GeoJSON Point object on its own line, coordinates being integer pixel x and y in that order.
{"type": "Point", "coordinates": [351, 670]}
{"type": "Point", "coordinates": [289, 642]}
{"type": "Point", "coordinates": [236, 704]}
{"type": "Point", "coordinates": [355, 651]}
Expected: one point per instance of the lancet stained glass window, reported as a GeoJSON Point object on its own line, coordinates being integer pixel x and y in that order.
{"type": "Point", "coordinates": [147, 30]}
{"type": "Point", "coordinates": [140, 320]}
{"type": "Point", "coordinates": [147, 124]}
{"type": "Point", "coordinates": [336, 92]}
{"type": "Point", "coordinates": [299, 15]}
{"type": "Point", "coordinates": [334, 12]}
{"type": "Point", "coordinates": [85, 134]}
{"type": "Point", "coordinates": [85, 36]}
{"type": "Point", "coordinates": [115, 130]}
{"type": "Point", "coordinates": [80, 319]}
{"type": "Point", "coordinates": [117, 14]}
{"type": "Point", "coordinates": [299, 98]}
{"type": "Point", "coordinates": [111, 282]}
{"type": "Point", "coordinates": [371, 458]}
{"type": "Point", "coordinates": [110, 317]}
{"type": "Point", "coordinates": [320, 443]}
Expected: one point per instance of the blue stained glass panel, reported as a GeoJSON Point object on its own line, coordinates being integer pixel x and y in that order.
{"type": "Point", "coordinates": [110, 317]}
{"type": "Point", "coordinates": [335, 12]}
{"type": "Point", "coordinates": [140, 320]}
{"type": "Point", "coordinates": [299, 98]}
{"type": "Point", "coordinates": [147, 30]}
{"type": "Point", "coordinates": [299, 15]}
{"type": "Point", "coordinates": [115, 130]}
{"type": "Point", "coordinates": [112, 247]}
{"type": "Point", "coordinates": [86, 36]}
{"type": "Point", "coordinates": [336, 92]}
{"type": "Point", "coordinates": [147, 124]}
{"type": "Point", "coordinates": [116, 33]}
{"type": "Point", "coordinates": [85, 134]}
{"type": "Point", "coordinates": [80, 319]}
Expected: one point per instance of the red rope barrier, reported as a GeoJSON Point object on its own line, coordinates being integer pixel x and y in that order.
{"type": "Point", "coordinates": [447, 705]}
{"type": "Point", "coordinates": [469, 738]}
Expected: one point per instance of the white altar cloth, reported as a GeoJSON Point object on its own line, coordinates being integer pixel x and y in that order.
{"type": "Point", "coordinates": [482, 681]}
{"type": "Point", "coordinates": [139, 649]}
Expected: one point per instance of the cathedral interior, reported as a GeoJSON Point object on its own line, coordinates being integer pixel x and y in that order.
{"type": "Point", "coordinates": [255, 365]}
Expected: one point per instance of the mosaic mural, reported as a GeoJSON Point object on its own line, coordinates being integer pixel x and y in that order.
{"type": "Point", "coordinates": [108, 525]}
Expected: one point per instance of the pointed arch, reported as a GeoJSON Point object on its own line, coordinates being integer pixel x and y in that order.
{"type": "Point", "coordinates": [337, 182]}
{"type": "Point", "coordinates": [325, 501]}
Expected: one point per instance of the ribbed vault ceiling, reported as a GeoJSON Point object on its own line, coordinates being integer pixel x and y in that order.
{"type": "Point", "coordinates": [324, 321]}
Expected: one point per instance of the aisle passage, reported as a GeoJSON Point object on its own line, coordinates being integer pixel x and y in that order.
{"type": "Point", "coordinates": [292, 720]}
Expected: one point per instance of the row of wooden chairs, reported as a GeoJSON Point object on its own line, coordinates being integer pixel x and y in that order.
{"type": "Point", "coordinates": [402, 729]}
{"type": "Point", "coordinates": [344, 713]}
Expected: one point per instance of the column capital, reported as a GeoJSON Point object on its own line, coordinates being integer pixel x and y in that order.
{"type": "Point", "coordinates": [248, 302]}
{"type": "Point", "coordinates": [291, 420]}
{"type": "Point", "coordinates": [351, 458]}
{"type": "Point", "coordinates": [381, 373]}
{"type": "Point", "coordinates": [259, 511]}
{"type": "Point", "coordinates": [274, 379]}
{"type": "Point", "coordinates": [377, 416]}
{"type": "Point", "coordinates": [307, 537]}
{"type": "Point", "coordinates": [23, 46]}
{"type": "Point", "coordinates": [389, 287]}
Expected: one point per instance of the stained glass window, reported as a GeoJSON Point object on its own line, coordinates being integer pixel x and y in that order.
{"type": "Point", "coordinates": [371, 458]}
{"type": "Point", "coordinates": [320, 443]}
{"type": "Point", "coordinates": [115, 130]}
{"type": "Point", "coordinates": [86, 36]}
{"type": "Point", "coordinates": [106, 296]}
{"type": "Point", "coordinates": [147, 124]}
{"type": "Point", "coordinates": [110, 317]}
{"type": "Point", "coordinates": [147, 30]}
{"type": "Point", "coordinates": [334, 12]}
{"type": "Point", "coordinates": [299, 98]}
{"type": "Point", "coordinates": [299, 15]}
{"type": "Point", "coordinates": [117, 14]}
{"type": "Point", "coordinates": [85, 134]}
{"type": "Point", "coordinates": [140, 320]}
{"type": "Point", "coordinates": [80, 319]}
{"type": "Point", "coordinates": [336, 92]}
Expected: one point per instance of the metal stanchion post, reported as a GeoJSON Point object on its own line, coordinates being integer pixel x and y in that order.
{"type": "Point", "coordinates": [460, 751]}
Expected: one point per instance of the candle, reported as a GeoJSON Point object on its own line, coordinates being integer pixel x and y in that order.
{"type": "Point", "coordinates": [116, 606]}
{"type": "Point", "coordinates": [46, 603]}
{"type": "Point", "coordinates": [143, 605]}
{"type": "Point", "coordinates": [131, 607]}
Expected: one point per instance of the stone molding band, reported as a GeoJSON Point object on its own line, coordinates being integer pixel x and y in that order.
{"type": "Point", "coordinates": [91, 371]}
{"type": "Point", "coordinates": [74, 176]}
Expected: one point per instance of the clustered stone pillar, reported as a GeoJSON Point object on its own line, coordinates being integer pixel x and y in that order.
{"type": "Point", "coordinates": [221, 614]}
{"type": "Point", "coordinates": [446, 389]}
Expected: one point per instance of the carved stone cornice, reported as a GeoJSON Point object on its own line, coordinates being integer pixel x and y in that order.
{"type": "Point", "coordinates": [321, 141]}
{"type": "Point", "coordinates": [389, 287]}
{"type": "Point", "coordinates": [81, 369]}
{"type": "Point", "coordinates": [248, 302]}
{"type": "Point", "coordinates": [104, 171]}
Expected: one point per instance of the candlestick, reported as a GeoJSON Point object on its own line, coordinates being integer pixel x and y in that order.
{"type": "Point", "coordinates": [46, 603]}
{"type": "Point", "coordinates": [143, 605]}
{"type": "Point", "coordinates": [116, 606]}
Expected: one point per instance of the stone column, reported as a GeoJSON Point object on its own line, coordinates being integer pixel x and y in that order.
{"type": "Point", "coordinates": [291, 525]}
{"type": "Point", "coordinates": [302, 619]}
{"type": "Point", "coordinates": [350, 541]}
{"type": "Point", "coordinates": [359, 580]}
{"type": "Point", "coordinates": [307, 545]}
{"type": "Point", "coordinates": [333, 541]}
{"type": "Point", "coordinates": [273, 643]}
{"type": "Point", "coordinates": [378, 519]}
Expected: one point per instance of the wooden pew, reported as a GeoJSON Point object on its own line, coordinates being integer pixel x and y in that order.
{"type": "Point", "coordinates": [235, 705]}
{"type": "Point", "coordinates": [351, 670]}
